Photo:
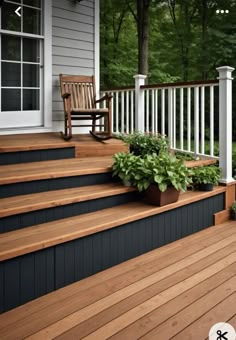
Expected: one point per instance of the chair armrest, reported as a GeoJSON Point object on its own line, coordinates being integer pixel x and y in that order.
{"type": "Point", "coordinates": [106, 97]}
{"type": "Point", "coordinates": [66, 95]}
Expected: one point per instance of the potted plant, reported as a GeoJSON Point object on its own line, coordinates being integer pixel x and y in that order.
{"type": "Point", "coordinates": [161, 178]}
{"type": "Point", "coordinates": [123, 167]}
{"type": "Point", "coordinates": [146, 143]}
{"type": "Point", "coordinates": [233, 211]}
{"type": "Point", "coordinates": [205, 177]}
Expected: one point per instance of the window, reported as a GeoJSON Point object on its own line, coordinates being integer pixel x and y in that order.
{"type": "Point", "coordinates": [22, 40]}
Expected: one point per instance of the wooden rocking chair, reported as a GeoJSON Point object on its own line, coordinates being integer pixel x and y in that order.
{"type": "Point", "coordinates": [78, 93]}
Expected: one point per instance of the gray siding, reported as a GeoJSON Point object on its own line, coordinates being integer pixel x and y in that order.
{"type": "Point", "coordinates": [73, 44]}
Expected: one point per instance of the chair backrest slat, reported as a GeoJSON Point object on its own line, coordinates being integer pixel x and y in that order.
{"type": "Point", "coordinates": [81, 88]}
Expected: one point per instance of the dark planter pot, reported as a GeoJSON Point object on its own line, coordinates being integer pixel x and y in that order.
{"type": "Point", "coordinates": [233, 215]}
{"type": "Point", "coordinates": [205, 187]}
{"type": "Point", "coordinates": [155, 197]}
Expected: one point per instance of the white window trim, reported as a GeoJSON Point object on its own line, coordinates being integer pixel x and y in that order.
{"type": "Point", "coordinates": [47, 93]}
{"type": "Point", "coordinates": [47, 75]}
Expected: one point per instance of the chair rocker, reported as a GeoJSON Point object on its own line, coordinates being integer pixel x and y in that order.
{"type": "Point", "coordinates": [78, 93]}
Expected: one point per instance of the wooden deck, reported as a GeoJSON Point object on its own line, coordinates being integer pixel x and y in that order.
{"type": "Point", "coordinates": [85, 145]}
{"type": "Point", "coordinates": [177, 291]}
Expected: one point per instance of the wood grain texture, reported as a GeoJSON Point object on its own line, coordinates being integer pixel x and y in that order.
{"type": "Point", "coordinates": [221, 217]}
{"type": "Point", "coordinates": [38, 237]}
{"type": "Point", "coordinates": [27, 172]}
{"type": "Point", "coordinates": [85, 145]}
{"type": "Point", "coordinates": [169, 292]}
{"type": "Point", "coordinates": [43, 200]}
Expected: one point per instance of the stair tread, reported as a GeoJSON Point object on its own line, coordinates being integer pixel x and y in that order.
{"type": "Point", "coordinates": [26, 172]}
{"type": "Point", "coordinates": [49, 234]}
{"type": "Point", "coordinates": [43, 200]}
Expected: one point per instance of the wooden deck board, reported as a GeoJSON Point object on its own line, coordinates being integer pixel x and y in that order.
{"type": "Point", "coordinates": [85, 145]}
{"type": "Point", "coordinates": [49, 234]}
{"type": "Point", "coordinates": [26, 172]}
{"type": "Point", "coordinates": [43, 200]}
{"type": "Point", "coordinates": [161, 294]}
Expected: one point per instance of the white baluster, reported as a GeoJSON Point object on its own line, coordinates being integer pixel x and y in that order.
{"type": "Point", "coordinates": [162, 111]}
{"type": "Point", "coordinates": [127, 111]}
{"type": "Point", "coordinates": [212, 120]}
{"type": "Point", "coordinates": [189, 119]}
{"type": "Point", "coordinates": [174, 118]}
{"type": "Point", "coordinates": [196, 120]}
{"type": "Point", "coordinates": [117, 111]}
{"type": "Point", "coordinates": [153, 112]}
{"type": "Point", "coordinates": [170, 116]}
{"type": "Point", "coordinates": [202, 119]}
{"type": "Point", "coordinates": [132, 112]}
{"type": "Point", "coordinates": [181, 132]}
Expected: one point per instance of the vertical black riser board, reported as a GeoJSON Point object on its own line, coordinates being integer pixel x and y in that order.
{"type": "Point", "coordinates": [31, 218]}
{"type": "Point", "coordinates": [25, 278]}
{"type": "Point", "coordinates": [7, 158]}
{"type": "Point", "coordinates": [24, 188]}
{"type": "Point", "coordinates": [122, 243]}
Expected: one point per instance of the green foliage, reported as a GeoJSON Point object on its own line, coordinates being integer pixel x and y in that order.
{"type": "Point", "coordinates": [124, 166]}
{"type": "Point", "coordinates": [145, 143]}
{"type": "Point", "coordinates": [184, 156]}
{"type": "Point", "coordinates": [233, 207]}
{"type": "Point", "coordinates": [206, 175]}
{"type": "Point", "coordinates": [163, 169]}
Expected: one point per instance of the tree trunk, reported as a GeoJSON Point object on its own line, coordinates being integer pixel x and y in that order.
{"type": "Point", "coordinates": [204, 40]}
{"type": "Point", "coordinates": [143, 35]}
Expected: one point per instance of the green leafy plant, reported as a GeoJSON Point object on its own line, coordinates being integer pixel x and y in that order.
{"type": "Point", "coordinates": [206, 175]}
{"type": "Point", "coordinates": [164, 170]}
{"type": "Point", "coordinates": [233, 207]}
{"type": "Point", "coordinates": [145, 143]}
{"type": "Point", "coordinates": [124, 166]}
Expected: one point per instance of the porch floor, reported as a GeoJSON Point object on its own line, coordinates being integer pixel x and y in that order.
{"type": "Point", "coordinates": [85, 145]}
{"type": "Point", "coordinates": [177, 291]}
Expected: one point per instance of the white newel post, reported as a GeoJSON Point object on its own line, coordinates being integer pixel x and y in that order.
{"type": "Point", "coordinates": [139, 102]}
{"type": "Point", "coordinates": [225, 122]}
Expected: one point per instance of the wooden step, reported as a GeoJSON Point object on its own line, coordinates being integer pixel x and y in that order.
{"type": "Point", "coordinates": [54, 169]}
{"type": "Point", "coordinates": [25, 210]}
{"type": "Point", "coordinates": [186, 278]}
{"type": "Point", "coordinates": [46, 235]}
{"type": "Point", "coordinates": [64, 168]}
{"type": "Point", "coordinates": [28, 178]}
{"type": "Point", "coordinates": [84, 145]}
{"type": "Point", "coordinates": [44, 200]}
{"type": "Point", "coordinates": [39, 259]}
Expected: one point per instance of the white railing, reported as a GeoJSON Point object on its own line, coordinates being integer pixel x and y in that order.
{"type": "Point", "coordinates": [123, 109]}
{"type": "Point", "coordinates": [196, 116]}
{"type": "Point", "coordinates": [186, 113]}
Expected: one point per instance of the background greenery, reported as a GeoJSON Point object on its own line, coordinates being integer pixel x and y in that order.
{"type": "Point", "coordinates": [187, 41]}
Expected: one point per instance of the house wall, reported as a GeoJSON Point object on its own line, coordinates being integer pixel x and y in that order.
{"type": "Point", "coordinates": [74, 46]}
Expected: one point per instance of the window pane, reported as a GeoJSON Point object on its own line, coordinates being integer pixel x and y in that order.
{"type": "Point", "coordinates": [11, 75]}
{"type": "Point", "coordinates": [31, 20]}
{"type": "Point", "coordinates": [10, 20]}
{"type": "Point", "coordinates": [10, 48]}
{"type": "Point", "coordinates": [11, 100]}
{"type": "Point", "coordinates": [30, 99]}
{"type": "Point", "coordinates": [34, 3]}
{"type": "Point", "coordinates": [31, 50]}
{"type": "Point", "coordinates": [30, 75]}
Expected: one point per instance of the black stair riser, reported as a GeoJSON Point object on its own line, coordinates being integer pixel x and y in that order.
{"type": "Point", "coordinates": [31, 218]}
{"type": "Point", "coordinates": [24, 188]}
{"type": "Point", "coordinates": [7, 158]}
{"type": "Point", "coordinates": [27, 277]}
